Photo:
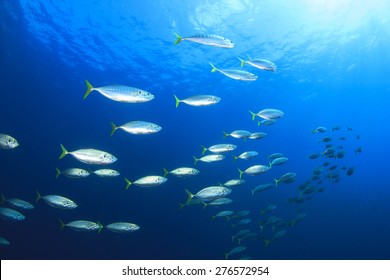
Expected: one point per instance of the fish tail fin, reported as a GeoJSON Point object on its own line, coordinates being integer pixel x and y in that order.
{"type": "Point", "coordinates": [214, 69]}
{"type": "Point", "coordinates": [267, 242]}
{"type": "Point", "coordinates": [239, 241]}
{"type": "Point", "coordinates": [239, 170]}
{"type": "Point", "coordinates": [62, 225]}
{"type": "Point", "coordinates": [38, 197]}
{"type": "Point", "coordinates": [64, 152]}
{"type": "Point", "coordinates": [177, 101]}
{"type": "Point", "coordinates": [233, 238]}
{"type": "Point", "coordinates": [225, 134]}
{"type": "Point", "coordinates": [293, 222]}
{"type": "Point", "coordinates": [165, 172]}
{"type": "Point", "coordinates": [300, 194]}
{"type": "Point", "coordinates": [2, 199]}
{"type": "Point", "coordinates": [58, 172]}
{"type": "Point", "coordinates": [128, 183]}
{"type": "Point", "coordinates": [190, 196]}
{"type": "Point", "coordinates": [212, 218]}
{"type": "Point", "coordinates": [252, 191]}
{"type": "Point", "coordinates": [258, 123]}
{"type": "Point", "coordinates": [235, 158]}
{"type": "Point", "coordinates": [100, 226]}
{"type": "Point", "coordinates": [313, 131]}
{"type": "Point", "coordinates": [204, 149]}
{"type": "Point", "coordinates": [204, 204]}
{"type": "Point", "coordinates": [195, 160]}
{"type": "Point", "coordinates": [276, 182]}
{"type": "Point", "coordinates": [253, 115]}
{"type": "Point", "coordinates": [181, 206]}
{"type": "Point", "coordinates": [242, 62]}
{"type": "Point", "coordinates": [89, 89]}
{"type": "Point", "coordinates": [226, 256]}
{"type": "Point", "coordinates": [113, 128]}
{"type": "Point", "coordinates": [178, 38]}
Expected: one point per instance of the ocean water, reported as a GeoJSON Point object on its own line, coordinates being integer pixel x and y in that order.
{"type": "Point", "coordinates": [332, 70]}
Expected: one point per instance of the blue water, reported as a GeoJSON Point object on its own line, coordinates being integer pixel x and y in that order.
{"type": "Point", "coordinates": [332, 59]}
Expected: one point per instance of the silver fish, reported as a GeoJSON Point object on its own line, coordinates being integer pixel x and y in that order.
{"type": "Point", "coordinates": [238, 134]}
{"type": "Point", "coordinates": [278, 161]}
{"type": "Point", "coordinates": [209, 193]}
{"type": "Point", "coordinates": [198, 100]}
{"type": "Point", "coordinates": [262, 64]}
{"type": "Point", "coordinates": [182, 172]}
{"type": "Point", "coordinates": [4, 242]}
{"type": "Point", "coordinates": [286, 178]}
{"type": "Point", "coordinates": [257, 135]}
{"type": "Point", "coordinates": [122, 227]}
{"type": "Point", "coordinates": [262, 188]}
{"type": "Point", "coordinates": [219, 148]}
{"type": "Point", "coordinates": [106, 173]}
{"type": "Point", "coordinates": [235, 74]}
{"type": "Point", "coordinates": [72, 173]}
{"type": "Point", "coordinates": [7, 142]}
{"type": "Point", "coordinates": [209, 158]}
{"type": "Point", "coordinates": [223, 214]}
{"type": "Point", "coordinates": [235, 251]}
{"type": "Point", "coordinates": [11, 214]}
{"type": "Point", "coordinates": [234, 182]}
{"type": "Point", "coordinates": [121, 93]}
{"type": "Point", "coordinates": [268, 114]}
{"type": "Point", "coordinates": [254, 170]}
{"type": "Point", "coordinates": [90, 156]}
{"type": "Point", "coordinates": [57, 201]}
{"type": "Point", "coordinates": [137, 127]}
{"type": "Point", "coordinates": [247, 155]}
{"type": "Point", "coordinates": [17, 203]}
{"type": "Point", "coordinates": [147, 181]}
{"type": "Point", "coordinates": [83, 226]}
{"type": "Point", "coordinates": [207, 39]}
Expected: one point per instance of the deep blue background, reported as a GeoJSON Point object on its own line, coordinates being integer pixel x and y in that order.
{"type": "Point", "coordinates": [333, 62]}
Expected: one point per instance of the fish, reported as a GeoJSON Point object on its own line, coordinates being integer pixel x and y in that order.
{"type": "Point", "coordinates": [209, 158]}
{"type": "Point", "coordinates": [182, 172]}
{"type": "Point", "coordinates": [247, 155]}
{"type": "Point", "coordinates": [137, 127]}
{"type": "Point", "coordinates": [225, 214]}
{"type": "Point", "coordinates": [254, 170]}
{"type": "Point", "coordinates": [11, 214]}
{"type": "Point", "coordinates": [274, 156]}
{"type": "Point", "coordinates": [106, 173]}
{"type": "Point", "coordinates": [319, 129]}
{"type": "Point", "coordinates": [266, 122]}
{"type": "Point", "coordinates": [286, 178]}
{"type": "Point", "coordinates": [268, 114]}
{"type": "Point", "coordinates": [198, 100]}
{"type": "Point", "coordinates": [4, 242]}
{"type": "Point", "coordinates": [263, 187]}
{"type": "Point", "coordinates": [235, 251]}
{"type": "Point", "coordinates": [122, 227]}
{"type": "Point", "coordinates": [340, 154]}
{"type": "Point", "coordinates": [57, 201]}
{"type": "Point", "coordinates": [121, 93]}
{"type": "Point", "coordinates": [82, 225]}
{"type": "Point", "coordinates": [209, 193]}
{"type": "Point", "coordinates": [219, 148]}
{"type": "Point", "coordinates": [207, 39]}
{"type": "Point", "coordinates": [193, 202]}
{"type": "Point", "coordinates": [240, 214]}
{"type": "Point", "coordinates": [313, 156]}
{"type": "Point", "coordinates": [90, 156]}
{"type": "Point", "coordinates": [233, 183]}
{"type": "Point", "coordinates": [240, 233]}
{"type": "Point", "coordinates": [219, 202]}
{"type": "Point", "coordinates": [325, 140]}
{"type": "Point", "coordinates": [8, 142]}
{"type": "Point", "coordinates": [261, 64]}
{"type": "Point", "coordinates": [17, 203]}
{"type": "Point", "coordinates": [249, 235]}
{"type": "Point", "coordinates": [72, 173]}
{"type": "Point", "coordinates": [358, 150]}
{"type": "Point", "coordinates": [240, 134]}
{"type": "Point", "coordinates": [242, 222]}
{"type": "Point", "coordinates": [278, 161]}
{"type": "Point", "coordinates": [268, 208]}
{"type": "Point", "coordinates": [235, 74]}
{"type": "Point", "coordinates": [147, 181]}
{"type": "Point", "coordinates": [335, 128]}
{"type": "Point", "coordinates": [277, 235]}
{"type": "Point", "coordinates": [350, 171]}
{"type": "Point", "coordinates": [257, 135]}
